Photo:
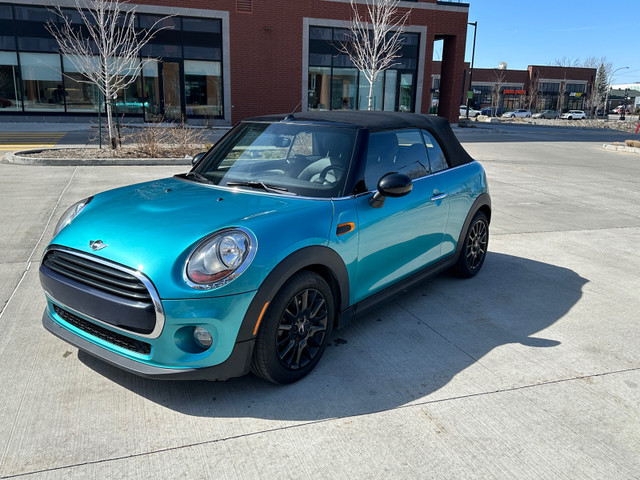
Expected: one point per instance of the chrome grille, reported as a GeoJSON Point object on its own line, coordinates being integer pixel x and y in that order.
{"type": "Point", "coordinates": [97, 275]}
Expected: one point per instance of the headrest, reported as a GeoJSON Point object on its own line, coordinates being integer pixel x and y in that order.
{"type": "Point", "coordinates": [383, 144]}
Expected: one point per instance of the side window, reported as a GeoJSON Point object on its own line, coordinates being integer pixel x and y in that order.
{"type": "Point", "coordinates": [437, 160]}
{"type": "Point", "coordinates": [401, 151]}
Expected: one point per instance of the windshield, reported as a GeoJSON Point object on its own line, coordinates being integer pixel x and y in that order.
{"type": "Point", "coordinates": [308, 160]}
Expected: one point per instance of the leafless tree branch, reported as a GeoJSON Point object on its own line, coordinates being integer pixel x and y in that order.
{"type": "Point", "coordinates": [375, 38]}
{"type": "Point", "coordinates": [109, 53]}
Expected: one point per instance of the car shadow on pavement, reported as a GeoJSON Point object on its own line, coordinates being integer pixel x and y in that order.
{"type": "Point", "coordinates": [403, 352]}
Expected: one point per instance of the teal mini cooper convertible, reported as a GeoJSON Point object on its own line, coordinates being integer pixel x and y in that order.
{"type": "Point", "coordinates": [289, 227]}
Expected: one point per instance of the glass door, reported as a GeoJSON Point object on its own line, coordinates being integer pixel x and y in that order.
{"type": "Point", "coordinates": [172, 94]}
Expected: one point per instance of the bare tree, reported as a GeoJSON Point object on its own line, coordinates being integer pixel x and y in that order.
{"type": "Point", "coordinates": [106, 49]}
{"type": "Point", "coordinates": [566, 62]}
{"type": "Point", "coordinates": [375, 39]}
{"type": "Point", "coordinates": [496, 89]}
{"type": "Point", "coordinates": [533, 90]}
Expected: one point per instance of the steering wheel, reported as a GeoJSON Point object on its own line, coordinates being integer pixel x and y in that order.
{"type": "Point", "coordinates": [323, 174]}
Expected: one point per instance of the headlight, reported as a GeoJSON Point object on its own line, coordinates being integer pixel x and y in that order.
{"type": "Point", "coordinates": [220, 258]}
{"type": "Point", "coordinates": [70, 213]}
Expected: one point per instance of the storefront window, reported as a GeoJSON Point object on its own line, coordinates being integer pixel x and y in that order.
{"type": "Point", "coordinates": [319, 92]}
{"type": "Point", "coordinates": [376, 97]}
{"type": "Point", "coordinates": [42, 82]}
{"type": "Point", "coordinates": [335, 84]}
{"type": "Point", "coordinates": [203, 88]}
{"type": "Point", "coordinates": [406, 93]}
{"type": "Point", "coordinates": [82, 94]}
{"type": "Point", "coordinates": [344, 88]}
{"type": "Point", "coordinates": [390, 84]}
{"type": "Point", "coordinates": [185, 81]}
{"type": "Point", "coordinates": [9, 91]}
{"type": "Point", "coordinates": [151, 91]}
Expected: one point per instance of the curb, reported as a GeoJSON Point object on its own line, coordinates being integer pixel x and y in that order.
{"type": "Point", "coordinates": [621, 148]}
{"type": "Point", "coordinates": [16, 158]}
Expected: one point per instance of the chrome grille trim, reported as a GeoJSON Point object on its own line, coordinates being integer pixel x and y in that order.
{"type": "Point", "coordinates": [151, 290]}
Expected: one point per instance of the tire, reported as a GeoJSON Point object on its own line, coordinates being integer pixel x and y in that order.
{"type": "Point", "coordinates": [295, 330]}
{"type": "Point", "coordinates": [474, 249]}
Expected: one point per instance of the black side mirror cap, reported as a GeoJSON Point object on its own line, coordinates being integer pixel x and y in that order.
{"type": "Point", "coordinates": [197, 158]}
{"type": "Point", "coordinates": [391, 185]}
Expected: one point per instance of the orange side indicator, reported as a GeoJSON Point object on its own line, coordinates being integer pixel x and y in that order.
{"type": "Point", "coordinates": [345, 228]}
{"type": "Point", "coordinates": [264, 309]}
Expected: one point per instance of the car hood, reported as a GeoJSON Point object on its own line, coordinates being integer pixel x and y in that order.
{"type": "Point", "coordinates": [152, 227]}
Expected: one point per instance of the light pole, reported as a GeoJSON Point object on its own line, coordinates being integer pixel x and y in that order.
{"type": "Point", "coordinates": [473, 54]}
{"type": "Point", "coordinates": [606, 102]}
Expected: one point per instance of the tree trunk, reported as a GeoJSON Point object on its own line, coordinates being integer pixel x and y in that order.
{"type": "Point", "coordinates": [112, 137]}
{"type": "Point", "coordinates": [370, 95]}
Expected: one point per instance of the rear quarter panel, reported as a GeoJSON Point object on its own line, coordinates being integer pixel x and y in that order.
{"type": "Point", "coordinates": [463, 185]}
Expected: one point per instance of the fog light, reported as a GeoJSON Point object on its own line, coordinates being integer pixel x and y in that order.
{"type": "Point", "coordinates": [202, 337]}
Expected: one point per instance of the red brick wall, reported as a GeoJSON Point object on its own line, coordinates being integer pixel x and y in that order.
{"type": "Point", "coordinates": [266, 50]}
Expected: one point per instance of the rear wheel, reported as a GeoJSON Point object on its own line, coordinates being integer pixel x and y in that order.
{"type": "Point", "coordinates": [295, 330]}
{"type": "Point", "coordinates": [474, 249]}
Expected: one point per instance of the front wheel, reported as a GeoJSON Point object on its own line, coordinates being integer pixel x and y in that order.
{"type": "Point", "coordinates": [474, 249]}
{"type": "Point", "coordinates": [295, 330]}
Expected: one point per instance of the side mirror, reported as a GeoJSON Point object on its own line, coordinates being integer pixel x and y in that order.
{"type": "Point", "coordinates": [282, 142]}
{"type": "Point", "coordinates": [391, 185]}
{"type": "Point", "coordinates": [197, 158]}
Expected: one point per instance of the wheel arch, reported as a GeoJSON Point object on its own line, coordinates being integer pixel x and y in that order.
{"type": "Point", "coordinates": [318, 259]}
{"type": "Point", "coordinates": [482, 204]}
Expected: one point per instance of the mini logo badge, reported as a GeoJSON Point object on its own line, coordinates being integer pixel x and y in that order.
{"type": "Point", "coordinates": [97, 245]}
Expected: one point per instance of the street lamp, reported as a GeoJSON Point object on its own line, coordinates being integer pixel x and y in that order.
{"type": "Point", "coordinates": [606, 102]}
{"type": "Point", "coordinates": [473, 54]}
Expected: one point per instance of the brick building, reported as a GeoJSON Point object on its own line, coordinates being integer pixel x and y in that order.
{"type": "Point", "coordinates": [539, 87]}
{"type": "Point", "coordinates": [225, 60]}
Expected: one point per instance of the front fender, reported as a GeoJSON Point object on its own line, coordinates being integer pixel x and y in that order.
{"type": "Point", "coordinates": [313, 257]}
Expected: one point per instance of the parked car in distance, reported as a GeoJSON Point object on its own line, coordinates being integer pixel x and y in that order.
{"type": "Point", "coordinates": [491, 111]}
{"type": "Point", "coordinates": [547, 114]}
{"type": "Point", "coordinates": [573, 115]}
{"type": "Point", "coordinates": [472, 112]}
{"type": "Point", "coordinates": [519, 113]}
{"type": "Point", "coordinates": [290, 226]}
{"type": "Point", "coordinates": [619, 108]}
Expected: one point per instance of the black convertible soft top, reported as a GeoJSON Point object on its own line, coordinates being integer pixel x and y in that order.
{"type": "Point", "coordinates": [439, 126]}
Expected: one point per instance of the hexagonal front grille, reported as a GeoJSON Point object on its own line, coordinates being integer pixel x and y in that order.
{"type": "Point", "coordinates": [97, 275]}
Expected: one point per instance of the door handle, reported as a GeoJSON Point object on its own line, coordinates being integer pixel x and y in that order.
{"type": "Point", "coordinates": [438, 197]}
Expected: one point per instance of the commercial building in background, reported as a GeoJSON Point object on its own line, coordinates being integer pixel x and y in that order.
{"type": "Point", "coordinates": [627, 94]}
{"type": "Point", "coordinates": [539, 87]}
{"type": "Point", "coordinates": [226, 60]}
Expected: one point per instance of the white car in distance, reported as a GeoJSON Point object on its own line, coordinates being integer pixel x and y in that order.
{"type": "Point", "coordinates": [472, 113]}
{"type": "Point", "coordinates": [573, 115]}
{"type": "Point", "coordinates": [519, 113]}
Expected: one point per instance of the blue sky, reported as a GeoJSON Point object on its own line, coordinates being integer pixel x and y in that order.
{"type": "Point", "coordinates": [539, 31]}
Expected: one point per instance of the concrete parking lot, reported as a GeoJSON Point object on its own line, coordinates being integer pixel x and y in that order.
{"type": "Point", "coordinates": [529, 370]}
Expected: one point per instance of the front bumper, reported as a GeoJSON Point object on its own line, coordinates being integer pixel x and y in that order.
{"type": "Point", "coordinates": [236, 365]}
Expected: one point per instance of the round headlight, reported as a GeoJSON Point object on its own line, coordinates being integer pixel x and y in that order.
{"type": "Point", "coordinates": [220, 258]}
{"type": "Point", "coordinates": [69, 214]}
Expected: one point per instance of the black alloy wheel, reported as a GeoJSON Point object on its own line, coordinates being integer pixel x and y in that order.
{"type": "Point", "coordinates": [474, 250]}
{"type": "Point", "coordinates": [295, 330]}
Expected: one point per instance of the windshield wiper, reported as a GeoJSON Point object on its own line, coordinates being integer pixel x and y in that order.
{"type": "Point", "coordinates": [261, 186]}
{"type": "Point", "coordinates": [197, 176]}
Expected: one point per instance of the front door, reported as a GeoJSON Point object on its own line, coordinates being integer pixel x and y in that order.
{"type": "Point", "coordinates": [405, 234]}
